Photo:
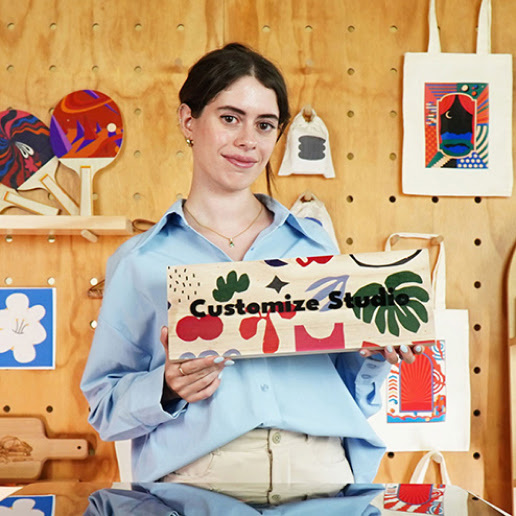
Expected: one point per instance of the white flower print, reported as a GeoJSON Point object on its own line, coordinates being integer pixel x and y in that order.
{"type": "Point", "coordinates": [21, 507]}
{"type": "Point", "coordinates": [20, 329]}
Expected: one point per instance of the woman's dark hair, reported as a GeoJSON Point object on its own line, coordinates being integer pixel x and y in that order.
{"type": "Point", "coordinates": [220, 68]}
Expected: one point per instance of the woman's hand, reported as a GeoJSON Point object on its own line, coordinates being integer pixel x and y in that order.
{"type": "Point", "coordinates": [405, 353]}
{"type": "Point", "coordinates": [193, 380]}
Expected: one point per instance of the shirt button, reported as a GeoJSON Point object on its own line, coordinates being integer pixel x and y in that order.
{"type": "Point", "coordinates": [276, 498]}
{"type": "Point", "coordinates": [366, 376]}
{"type": "Point", "coordinates": [276, 437]}
{"type": "Point", "coordinates": [264, 387]}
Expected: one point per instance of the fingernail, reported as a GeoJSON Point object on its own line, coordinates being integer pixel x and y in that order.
{"type": "Point", "coordinates": [218, 360]}
{"type": "Point", "coordinates": [404, 348]}
{"type": "Point", "coordinates": [389, 349]}
{"type": "Point", "coordinates": [363, 352]}
{"type": "Point", "coordinates": [220, 375]}
{"type": "Point", "coordinates": [419, 349]}
{"type": "Point", "coordinates": [229, 362]}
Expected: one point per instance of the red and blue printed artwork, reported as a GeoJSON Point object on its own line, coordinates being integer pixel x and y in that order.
{"type": "Point", "coordinates": [415, 498]}
{"type": "Point", "coordinates": [417, 392]}
{"type": "Point", "coordinates": [457, 125]}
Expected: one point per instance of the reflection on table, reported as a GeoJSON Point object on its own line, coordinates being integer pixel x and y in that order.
{"type": "Point", "coordinates": [165, 499]}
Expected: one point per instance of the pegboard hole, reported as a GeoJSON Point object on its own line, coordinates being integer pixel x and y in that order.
{"type": "Point", "coordinates": [137, 111]}
{"type": "Point", "coordinates": [478, 200]}
{"type": "Point", "coordinates": [51, 281]}
{"type": "Point", "coordinates": [8, 280]}
{"type": "Point", "coordinates": [349, 198]}
{"type": "Point", "coordinates": [351, 113]}
{"type": "Point", "coordinates": [10, 68]}
{"type": "Point", "coordinates": [477, 327]}
{"type": "Point", "coordinates": [138, 27]}
{"type": "Point", "coordinates": [392, 198]}
{"type": "Point", "coordinates": [350, 156]}
{"type": "Point", "coordinates": [477, 284]}
{"type": "Point", "coordinates": [9, 238]}
{"type": "Point", "coordinates": [476, 412]}
{"type": "Point", "coordinates": [95, 27]}
{"type": "Point", "coordinates": [393, 156]}
{"type": "Point", "coordinates": [51, 239]}
{"type": "Point", "coordinates": [477, 370]}
{"type": "Point", "coordinates": [180, 154]}
{"type": "Point", "coordinates": [49, 409]}
{"type": "Point", "coordinates": [435, 199]}
{"type": "Point", "coordinates": [95, 69]}
{"type": "Point", "coordinates": [309, 28]}
{"type": "Point", "coordinates": [10, 26]}
{"type": "Point", "coordinates": [180, 27]}
{"type": "Point", "coordinates": [349, 241]}
{"type": "Point", "coordinates": [266, 28]}
{"type": "Point", "coordinates": [52, 68]}
{"type": "Point", "coordinates": [53, 26]}
{"type": "Point", "coordinates": [393, 113]}
{"type": "Point", "coordinates": [391, 455]}
{"type": "Point", "coordinates": [7, 408]}
{"type": "Point", "coordinates": [138, 69]}
{"type": "Point", "coordinates": [393, 28]}
{"type": "Point", "coordinates": [137, 153]}
{"type": "Point", "coordinates": [476, 456]}
{"type": "Point", "coordinates": [394, 70]}
{"type": "Point", "coordinates": [95, 196]}
{"type": "Point", "coordinates": [351, 71]}
{"type": "Point", "coordinates": [137, 196]}
{"type": "Point", "coordinates": [351, 28]}
{"type": "Point", "coordinates": [93, 324]}
{"type": "Point", "coordinates": [477, 242]}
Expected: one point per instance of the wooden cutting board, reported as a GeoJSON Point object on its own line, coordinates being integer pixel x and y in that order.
{"type": "Point", "coordinates": [511, 319]}
{"type": "Point", "coordinates": [24, 448]}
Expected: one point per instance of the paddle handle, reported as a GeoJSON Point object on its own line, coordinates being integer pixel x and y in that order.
{"type": "Point", "coordinates": [61, 196]}
{"type": "Point", "coordinates": [66, 448]}
{"type": "Point", "coordinates": [12, 198]}
{"type": "Point", "coordinates": [86, 206]}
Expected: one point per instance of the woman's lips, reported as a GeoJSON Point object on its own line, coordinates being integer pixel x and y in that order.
{"type": "Point", "coordinates": [241, 161]}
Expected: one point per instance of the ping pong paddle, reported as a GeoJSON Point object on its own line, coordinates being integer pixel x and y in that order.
{"type": "Point", "coordinates": [33, 163]}
{"type": "Point", "coordinates": [19, 160]}
{"type": "Point", "coordinates": [86, 134]}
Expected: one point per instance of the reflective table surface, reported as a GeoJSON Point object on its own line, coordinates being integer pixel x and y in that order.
{"type": "Point", "coordinates": [161, 499]}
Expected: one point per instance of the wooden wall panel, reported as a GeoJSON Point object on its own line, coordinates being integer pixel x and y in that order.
{"type": "Point", "coordinates": [345, 58]}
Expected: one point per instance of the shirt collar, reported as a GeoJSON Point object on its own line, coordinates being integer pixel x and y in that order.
{"type": "Point", "coordinates": [175, 213]}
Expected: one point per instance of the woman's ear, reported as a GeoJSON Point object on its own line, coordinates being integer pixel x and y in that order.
{"type": "Point", "coordinates": [185, 120]}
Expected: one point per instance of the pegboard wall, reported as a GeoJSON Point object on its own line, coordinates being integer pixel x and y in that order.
{"type": "Point", "coordinates": [345, 58]}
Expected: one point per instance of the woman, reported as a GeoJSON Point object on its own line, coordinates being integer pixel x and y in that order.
{"type": "Point", "coordinates": [298, 417]}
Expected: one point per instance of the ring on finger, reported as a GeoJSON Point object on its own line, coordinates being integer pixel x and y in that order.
{"type": "Point", "coordinates": [181, 371]}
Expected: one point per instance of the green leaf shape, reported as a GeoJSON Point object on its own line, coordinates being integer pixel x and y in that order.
{"type": "Point", "coordinates": [407, 319]}
{"type": "Point", "coordinates": [228, 287]}
{"type": "Point", "coordinates": [392, 324]}
{"type": "Point", "coordinates": [396, 279]}
{"type": "Point", "coordinates": [379, 320]}
{"type": "Point", "coordinates": [367, 311]}
{"type": "Point", "coordinates": [417, 292]}
{"type": "Point", "coordinates": [418, 309]}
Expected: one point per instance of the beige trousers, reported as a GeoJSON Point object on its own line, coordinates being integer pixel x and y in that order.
{"type": "Point", "coordinates": [271, 466]}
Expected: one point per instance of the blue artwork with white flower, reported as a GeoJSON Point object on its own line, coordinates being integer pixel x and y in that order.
{"type": "Point", "coordinates": [37, 505]}
{"type": "Point", "coordinates": [27, 328]}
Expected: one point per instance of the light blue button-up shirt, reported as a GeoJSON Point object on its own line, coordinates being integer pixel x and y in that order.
{"type": "Point", "coordinates": [324, 394]}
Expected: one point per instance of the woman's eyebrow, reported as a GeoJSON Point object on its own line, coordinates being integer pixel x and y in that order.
{"type": "Point", "coordinates": [243, 113]}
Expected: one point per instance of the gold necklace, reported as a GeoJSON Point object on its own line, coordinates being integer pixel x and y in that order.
{"type": "Point", "coordinates": [229, 239]}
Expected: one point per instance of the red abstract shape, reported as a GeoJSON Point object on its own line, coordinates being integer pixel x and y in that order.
{"type": "Point", "coordinates": [249, 328]}
{"type": "Point", "coordinates": [366, 344]}
{"type": "Point", "coordinates": [305, 342]}
{"type": "Point", "coordinates": [415, 494]}
{"type": "Point", "coordinates": [311, 259]}
{"type": "Point", "coordinates": [190, 328]}
{"type": "Point", "coordinates": [416, 387]}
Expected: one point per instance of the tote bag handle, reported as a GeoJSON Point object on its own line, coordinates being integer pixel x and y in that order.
{"type": "Point", "coordinates": [418, 477]}
{"type": "Point", "coordinates": [483, 34]}
{"type": "Point", "coordinates": [439, 272]}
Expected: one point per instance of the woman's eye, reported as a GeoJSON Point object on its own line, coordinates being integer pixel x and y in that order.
{"type": "Point", "coordinates": [230, 119]}
{"type": "Point", "coordinates": [266, 126]}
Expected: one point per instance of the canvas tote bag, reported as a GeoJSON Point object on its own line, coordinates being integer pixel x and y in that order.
{"type": "Point", "coordinates": [457, 118]}
{"type": "Point", "coordinates": [427, 404]}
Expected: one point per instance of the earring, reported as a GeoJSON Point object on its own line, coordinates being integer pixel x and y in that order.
{"type": "Point", "coordinates": [189, 142]}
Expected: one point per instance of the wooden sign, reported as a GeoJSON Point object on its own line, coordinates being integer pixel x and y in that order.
{"type": "Point", "coordinates": [300, 305]}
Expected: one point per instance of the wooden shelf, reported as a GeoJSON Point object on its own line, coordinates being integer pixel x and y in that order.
{"type": "Point", "coordinates": [87, 227]}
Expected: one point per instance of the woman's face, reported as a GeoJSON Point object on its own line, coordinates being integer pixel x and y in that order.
{"type": "Point", "coordinates": [234, 136]}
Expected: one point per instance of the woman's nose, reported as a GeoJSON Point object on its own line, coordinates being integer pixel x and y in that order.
{"type": "Point", "coordinates": [246, 138]}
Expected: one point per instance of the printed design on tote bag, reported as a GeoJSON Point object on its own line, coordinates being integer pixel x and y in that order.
{"type": "Point", "coordinates": [416, 392]}
{"type": "Point", "coordinates": [457, 125]}
{"type": "Point", "coordinates": [415, 498]}
{"type": "Point", "coordinates": [38, 505]}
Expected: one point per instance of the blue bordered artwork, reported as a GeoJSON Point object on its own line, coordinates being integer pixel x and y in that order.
{"type": "Point", "coordinates": [27, 328]}
{"type": "Point", "coordinates": [37, 505]}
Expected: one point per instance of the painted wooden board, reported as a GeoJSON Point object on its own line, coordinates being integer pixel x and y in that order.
{"type": "Point", "coordinates": [24, 448]}
{"type": "Point", "coordinates": [300, 305]}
